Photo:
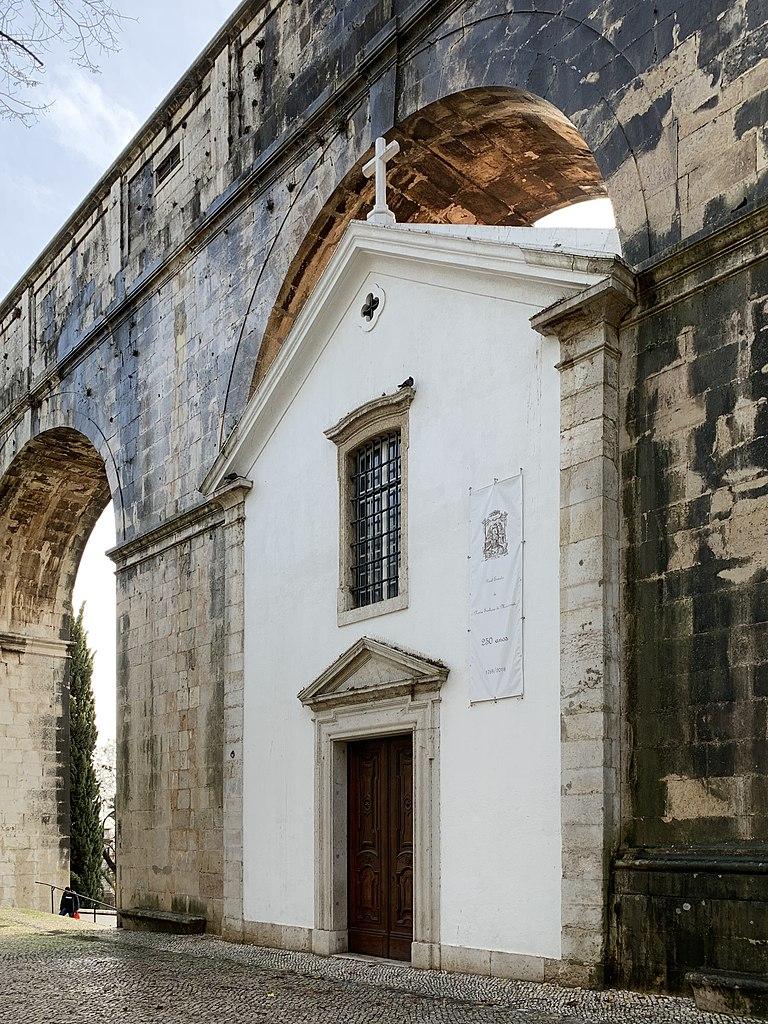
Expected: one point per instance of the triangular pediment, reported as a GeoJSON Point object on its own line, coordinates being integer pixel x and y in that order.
{"type": "Point", "coordinates": [372, 670]}
{"type": "Point", "coordinates": [411, 252]}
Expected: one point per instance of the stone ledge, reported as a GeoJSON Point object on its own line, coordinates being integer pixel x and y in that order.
{"type": "Point", "coordinates": [23, 643]}
{"type": "Point", "coordinates": [137, 919]}
{"type": "Point", "coordinates": [748, 862]}
{"type": "Point", "coordinates": [175, 530]}
{"type": "Point", "coordinates": [736, 994]}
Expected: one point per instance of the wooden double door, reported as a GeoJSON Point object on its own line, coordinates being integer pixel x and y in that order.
{"type": "Point", "coordinates": [380, 847]}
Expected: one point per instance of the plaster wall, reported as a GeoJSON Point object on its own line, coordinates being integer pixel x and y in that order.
{"type": "Point", "coordinates": [487, 404]}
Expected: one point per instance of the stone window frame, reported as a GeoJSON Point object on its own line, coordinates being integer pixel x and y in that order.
{"type": "Point", "coordinates": [408, 706]}
{"type": "Point", "coordinates": [381, 415]}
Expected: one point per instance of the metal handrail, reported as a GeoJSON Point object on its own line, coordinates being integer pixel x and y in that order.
{"type": "Point", "coordinates": [109, 909]}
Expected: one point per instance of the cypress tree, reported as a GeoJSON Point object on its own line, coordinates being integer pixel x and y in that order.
{"type": "Point", "coordinates": [84, 797]}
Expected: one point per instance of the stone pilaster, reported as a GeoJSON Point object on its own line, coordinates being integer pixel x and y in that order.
{"type": "Point", "coordinates": [232, 497]}
{"type": "Point", "coordinates": [590, 688]}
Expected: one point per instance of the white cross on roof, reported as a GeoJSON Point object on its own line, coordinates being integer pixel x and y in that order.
{"type": "Point", "coordinates": [381, 213]}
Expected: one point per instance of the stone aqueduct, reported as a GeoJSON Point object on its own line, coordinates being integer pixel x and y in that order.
{"type": "Point", "coordinates": [132, 344]}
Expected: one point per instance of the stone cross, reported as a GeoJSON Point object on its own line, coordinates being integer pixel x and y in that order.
{"type": "Point", "coordinates": [381, 213]}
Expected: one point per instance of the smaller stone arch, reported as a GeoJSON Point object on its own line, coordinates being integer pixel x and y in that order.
{"type": "Point", "coordinates": [491, 155]}
{"type": "Point", "coordinates": [51, 495]}
{"type": "Point", "coordinates": [50, 498]}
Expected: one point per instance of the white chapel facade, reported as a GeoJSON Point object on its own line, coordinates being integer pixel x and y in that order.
{"type": "Point", "coordinates": [380, 808]}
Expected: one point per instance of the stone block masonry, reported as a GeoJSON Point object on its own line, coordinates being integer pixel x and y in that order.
{"type": "Point", "coordinates": [34, 769]}
{"type": "Point", "coordinates": [690, 884]}
{"type": "Point", "coordinates": [172, 641]}
{"type": "Point", "coordinates": [590, 699]}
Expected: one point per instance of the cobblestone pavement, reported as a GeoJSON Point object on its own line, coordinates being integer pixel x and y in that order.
{"type": "Point", "coordinates": [60, 972]}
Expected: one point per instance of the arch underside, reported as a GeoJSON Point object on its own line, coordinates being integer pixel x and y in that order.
{"type": "Point", "coordinates": [491, 156]}
{"type": "Point", "coordinates": [50, 499]}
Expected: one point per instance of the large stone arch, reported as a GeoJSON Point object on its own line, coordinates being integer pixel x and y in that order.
{"type": "Point", "coordinates": [61, 413]}
{"type": "Point", "coordinates": [585, 72]}
{"type": "Point", "coordinates": [485, 156]}
{"type": "Point", "coordinates": [52, 492]}
{"type": "Point", "coordinates": [561, 72]}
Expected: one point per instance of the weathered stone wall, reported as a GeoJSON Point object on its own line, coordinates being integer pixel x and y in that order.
{"type": "Point", "coordinates": [695, 461]}
{"type": "Point", "coordinates": [170, 723]}
{"type": "Point", "coordinates": [141, 324]}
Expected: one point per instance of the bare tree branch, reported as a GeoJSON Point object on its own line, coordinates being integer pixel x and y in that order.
{"type": "Point", "coordinates": [16, 42]}
{"type": "Point", "coordinates": [30, 28]}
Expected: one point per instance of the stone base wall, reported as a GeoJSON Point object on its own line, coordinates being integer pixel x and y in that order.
{"type": "Point", "coordinates": [672, 915]}
{"type": "Point", "coordinates": [489, 963]}
{"type": "Point", "coordinates": [34, 772]}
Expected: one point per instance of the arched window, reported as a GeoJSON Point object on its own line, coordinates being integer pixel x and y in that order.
{"type": "Point", "coordinates": [372, 446]}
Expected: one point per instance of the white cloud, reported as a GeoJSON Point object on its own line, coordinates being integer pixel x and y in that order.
{"type": "Point", "coordinates": [86, 120]}
{"type": "Point", "coordinates": [40, 203]}
{"type": "Point", "coordinates": [25, 190]}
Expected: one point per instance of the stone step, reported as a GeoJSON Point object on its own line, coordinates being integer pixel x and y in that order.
{"type": "Point", "coordinates": [724, 992]}
{"type": "Point", "coordinates": [138, 919]}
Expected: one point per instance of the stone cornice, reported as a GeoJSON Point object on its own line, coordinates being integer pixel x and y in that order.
{"type": "Point", "coordinates": [207, 515]}
{"type": "Point", "coordinates": [606, 302]}
{"type": "Point", "coordinates": [698, 262]}
{"type": "Point", "coordinates": [232, 492]}
{"type": "Point", "coordinates": [692, 859]}
{"type": "Point", "coordinates": [24, 643]}
{"type": "Point", "coordinates": [175, 530]}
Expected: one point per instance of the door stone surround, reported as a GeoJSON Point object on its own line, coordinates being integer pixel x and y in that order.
{"type": "Point", "coordinates": [375, 689]}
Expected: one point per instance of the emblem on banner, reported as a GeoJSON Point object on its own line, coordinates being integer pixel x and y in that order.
{"type": "Point", "coordinates": [495, 526]}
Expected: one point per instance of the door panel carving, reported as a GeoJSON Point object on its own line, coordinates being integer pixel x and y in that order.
{"type": "Point", "coordinates": [380, 853]}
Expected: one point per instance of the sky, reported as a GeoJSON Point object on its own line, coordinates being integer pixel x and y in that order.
{"type": "Point", "coordinates": [48, 168]}
{"type": "Point", "coordinates": [95, 586]}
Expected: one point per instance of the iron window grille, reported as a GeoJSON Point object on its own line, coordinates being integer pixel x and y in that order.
{"type": "Point", "coordinates": [376, 519]}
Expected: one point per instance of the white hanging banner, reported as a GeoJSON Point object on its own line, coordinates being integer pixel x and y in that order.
{"type": "Point", "coordinates": [496, 591]}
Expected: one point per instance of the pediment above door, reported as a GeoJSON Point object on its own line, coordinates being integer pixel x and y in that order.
{"type": "Point", "coordinates": [371, 671]}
